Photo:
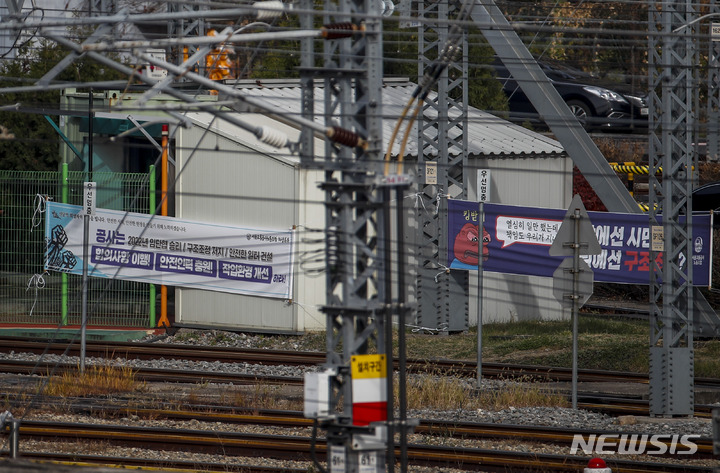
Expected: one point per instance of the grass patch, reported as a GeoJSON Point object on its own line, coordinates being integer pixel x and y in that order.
{"type": "Point", "coordinates": [452, 393]}
{"type": "Point", "coordinates": [707, 358]}
{"type": "Point", "coordinates": [96, 380]}
{"type": "Point", "coordinates": [520, 395]}
{"type": "Point", "coordinates": [437, 392]}
{"type": "Point", "coordinates": [624, 355]}
{"type": "Point", "coordinates": [603, 343]}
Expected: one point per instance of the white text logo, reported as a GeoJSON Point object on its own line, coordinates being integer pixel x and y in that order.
{"type": "Point", "coordinates": [634, 444]}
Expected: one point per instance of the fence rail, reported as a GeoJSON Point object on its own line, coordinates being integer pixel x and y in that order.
{"type": "Point", "coordinates": [30, 296]}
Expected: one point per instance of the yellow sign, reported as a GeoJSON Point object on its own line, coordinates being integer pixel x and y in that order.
{"type": "Point", "coordinates": [368, 366]}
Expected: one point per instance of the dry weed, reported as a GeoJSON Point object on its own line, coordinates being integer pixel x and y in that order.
{"type": "Point", "coordinates": [96, 380]}
{"type": "Point", "coordinates": [452, 392]}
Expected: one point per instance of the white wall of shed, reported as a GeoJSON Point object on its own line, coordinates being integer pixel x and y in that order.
{"type": "Point", "coordinates": [310, 263]}
{"type": "Point", "coordinates": [534, 182]}
{"type": "Point", "coordinates": [223, 180]}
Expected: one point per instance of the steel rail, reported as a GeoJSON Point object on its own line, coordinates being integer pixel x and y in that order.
{"type": "Point", "coordinates": [152, 375]}
{"type": "Point", "coordinates": [594, 402]}
{"type": "Point", "coordinates": [433, 427]}
{"type": "Point", "coordinates": [64, 461]}
{"type": "Point", "coordinates": [299, 448]}
{"type": "Point", "coordinates": [295, 358]}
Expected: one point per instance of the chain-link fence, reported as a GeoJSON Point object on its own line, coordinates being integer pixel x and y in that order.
{"type": "Point", "coordinates": [27, 296]}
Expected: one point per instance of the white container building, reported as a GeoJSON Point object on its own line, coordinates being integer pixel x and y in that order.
{"type": "Point", "coordinates": [225, 175]}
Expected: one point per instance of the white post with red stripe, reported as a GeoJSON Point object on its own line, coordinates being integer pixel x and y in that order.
{"type": "Point", "coordinates": [368, 375]}
{"type": "Point", "coordinates": [369, 389]}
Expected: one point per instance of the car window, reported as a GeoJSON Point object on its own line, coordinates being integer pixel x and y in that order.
{"type": "Point", "coordinates": [554, 71]}
{"type": "Point", "coordinates": [557, 71]}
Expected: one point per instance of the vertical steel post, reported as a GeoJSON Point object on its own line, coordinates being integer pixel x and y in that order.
{"type": "Point", "coordinates": [182, 28]}
{"type": "Point", "coordinates": [481, 223]}
{"type": "Point", "coordinates": [63, 276]}
{"type": "Point", "coordinates": [442, 294]}
{"type": "Point", "coordinates": [164, 321]}
{"type": "Point", "coordinates": [713, 85]}
{"type": "Point", "coordinates": [86, 237]}
{"type": "Point", "coordinates": [152, 203]}
{"type": "Point", "coordinates": [575, 306]}
{"type": "Point", "coordinates": [672, 101]}
{"type": "Point", "coordinates": [388, 314]}
{"type": "Point", "coordinates": [402, 314]}
{"type": "Point", "coordinates": [357, 295]}
{"type": "Point", "coordinates": [14, 439]}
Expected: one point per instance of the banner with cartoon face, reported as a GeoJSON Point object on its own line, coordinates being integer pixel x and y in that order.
{"type": "Point", "coordinates": [516, 240]}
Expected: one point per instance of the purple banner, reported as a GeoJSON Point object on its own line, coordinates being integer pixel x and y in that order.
{"type": "Point", "coordinates": [245, 272]}
{"type": "Point", "coordinates": [121, 257]}
{"type": "Point", "coordinates": [516, 240]}
{"type": "Point", "coordinates": [185, 265]}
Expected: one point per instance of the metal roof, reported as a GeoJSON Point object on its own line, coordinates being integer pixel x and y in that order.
{"type": "Point", "coordinates": [488, 135]}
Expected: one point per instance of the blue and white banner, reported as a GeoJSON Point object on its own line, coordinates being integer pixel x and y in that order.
{"type": "Point", "coordinates": [170, 251]}
{"type": "Point", "coordinates": [517, 239]}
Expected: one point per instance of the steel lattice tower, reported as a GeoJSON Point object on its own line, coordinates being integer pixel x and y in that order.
{"type": "Point", "coordinates": [672, 155]}
{"type": "Point", "coordinates": [182, 28]}
{"type": "Point", "coordinates": [356, 296]}
{"type": "Point", "coordinates": [442, 294]}
{"type": "Point", "coordinates": [713, 84]}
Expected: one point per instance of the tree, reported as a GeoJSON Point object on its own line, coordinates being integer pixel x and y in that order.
{"type": "Point", "coordinates": [401, 56]}
{"type": "Point", "coordinates": [602, 38]}
{"type": "Point", "coordinates": [28, 142]}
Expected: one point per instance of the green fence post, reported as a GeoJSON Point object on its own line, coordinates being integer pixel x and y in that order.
{"type": "Point", "coordinates": [64, 276]}
{"type": "Point", "coordinates": [151, 177]}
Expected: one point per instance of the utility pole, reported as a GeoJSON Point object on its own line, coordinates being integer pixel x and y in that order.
{"type": "Point", "coordinates": [713, 85]}
{"type": "Point", "coordinates": [182, 28]}
{"type": "Point", "coordinates": [672, 101]}
{"type": "Point", "coordinates": [356, 290]}
{"type": "Point", "coordinates": [442, 294]}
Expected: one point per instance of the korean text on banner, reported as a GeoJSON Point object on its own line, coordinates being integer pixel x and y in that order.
{"type": "Point", "coordinates": [516, 240]}
{"type": "Point", "coordinates": [171, 251]}
{"type": "Point", "coordinates": [369, 388]}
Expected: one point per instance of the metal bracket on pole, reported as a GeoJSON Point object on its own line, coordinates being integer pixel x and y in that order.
{"type": "Point", "coordinates": [377, 440]}
{"type": "Point", "coordinates": [575, 237]}
{"type": "Point", "coordinates": [7, 421]}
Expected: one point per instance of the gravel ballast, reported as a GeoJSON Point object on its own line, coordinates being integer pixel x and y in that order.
{"type": "Point", "coordinates": [529, 416]}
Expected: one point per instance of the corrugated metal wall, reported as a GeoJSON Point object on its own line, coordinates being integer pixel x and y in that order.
{"type": "Point", "coordinates": [221, 180]}
{"type": "Point", "coordinates": [534, 182]}
{"type": "Point", "coordinates": [257, 189]}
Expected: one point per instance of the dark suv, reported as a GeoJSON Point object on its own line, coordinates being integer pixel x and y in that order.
{"type": "Point", "coordinates": [597, 107]}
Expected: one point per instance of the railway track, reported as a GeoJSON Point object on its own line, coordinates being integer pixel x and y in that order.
{"type": "Point", "coordinates": [300, 448]}
{"type": "Point", "coordinates": [295, 358]}
{"type": "Point", "coordinates": [434, 427]}
{"type": "Point", "coordinates": [616, 311]}
{"type": "Point", "coordinates": [609, 404]}
{"type": "Point", "coordinates": [594, 402]}
{"type": "Point", "coordinates": [304, 448]}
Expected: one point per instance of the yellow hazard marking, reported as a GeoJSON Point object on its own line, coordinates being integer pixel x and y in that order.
{"type": "Point", "coordinates": [368, 366]}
